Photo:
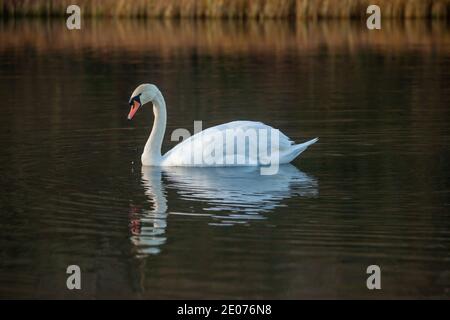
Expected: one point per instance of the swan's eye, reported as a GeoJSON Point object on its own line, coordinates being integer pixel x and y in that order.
{"type": "Point", "coordinates": [135, 98]}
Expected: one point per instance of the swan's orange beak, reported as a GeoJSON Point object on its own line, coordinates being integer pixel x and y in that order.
{"type": "Point", "coordinates": [133, 109]}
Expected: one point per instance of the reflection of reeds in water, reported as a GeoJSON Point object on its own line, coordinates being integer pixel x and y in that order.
{"type": "Point", "coordinates": [168, 38]}
{"type": "Point", "coordinates": [231, 8]}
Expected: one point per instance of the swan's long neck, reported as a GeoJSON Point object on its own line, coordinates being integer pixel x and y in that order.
{"type": "Point", "coordinates": [152, 149]}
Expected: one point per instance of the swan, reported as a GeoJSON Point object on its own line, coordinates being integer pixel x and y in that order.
{"type": "Point", "coordinates": [211, 147]}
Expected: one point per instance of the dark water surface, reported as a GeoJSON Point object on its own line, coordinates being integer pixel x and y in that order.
{"type": "Point", "coordinates": [374, 190]}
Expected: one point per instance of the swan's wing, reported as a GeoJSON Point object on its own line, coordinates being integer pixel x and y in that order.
{"type": "Point", "coordinates": [212, 143]}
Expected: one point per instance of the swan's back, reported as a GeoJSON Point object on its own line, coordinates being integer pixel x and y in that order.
{"type": "Point", "coordinates": [216, 146]}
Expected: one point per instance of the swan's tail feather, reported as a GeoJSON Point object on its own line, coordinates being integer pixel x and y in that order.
{"type": "Point", "coordinates": [297, 149]}
{"type": "Point", "coordinates": [307, 143]}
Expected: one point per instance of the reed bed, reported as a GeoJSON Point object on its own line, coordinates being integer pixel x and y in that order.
{"type": "Point", "coordinates": [168, 38]}
{"type": "Point", "coordinates": [233, 9]}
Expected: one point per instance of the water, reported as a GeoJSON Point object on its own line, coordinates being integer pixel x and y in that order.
{"type": "Point", "coordinates": [373, 190]}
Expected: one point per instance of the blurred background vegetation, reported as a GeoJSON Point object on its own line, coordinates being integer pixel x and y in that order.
{"type": "Point", "coordinates": [234, 9]}
{"type": "Point", "coordinates": [377, 100]}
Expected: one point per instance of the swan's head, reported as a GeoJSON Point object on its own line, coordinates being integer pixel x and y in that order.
{"type": "Point", "coordinates": [141, 95]}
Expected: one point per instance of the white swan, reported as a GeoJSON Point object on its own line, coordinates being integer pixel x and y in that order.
{"type": "Point", "coordinates": [213, 141]}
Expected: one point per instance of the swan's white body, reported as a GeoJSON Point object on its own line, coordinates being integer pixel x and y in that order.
{"type": "Point", "coordinates": [185, 153]}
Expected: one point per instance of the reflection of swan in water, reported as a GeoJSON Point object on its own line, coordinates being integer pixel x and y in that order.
{"type": "Point", "coordinates": [148, 228]}
{"type": "Point", "coordinates": [227, 195]}
{"type": "Point", "coordinates": [240, 190]}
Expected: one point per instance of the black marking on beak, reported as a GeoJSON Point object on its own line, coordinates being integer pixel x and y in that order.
{"type": "Point", "coordinates": [135, 98]}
